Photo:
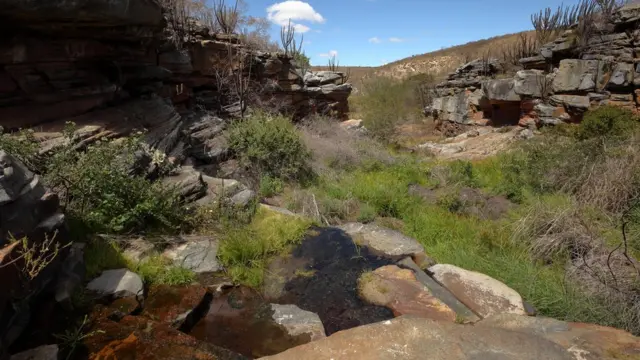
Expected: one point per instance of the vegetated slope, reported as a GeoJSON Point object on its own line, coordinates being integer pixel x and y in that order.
{"type": "Point", "coordinates": [438, 63]}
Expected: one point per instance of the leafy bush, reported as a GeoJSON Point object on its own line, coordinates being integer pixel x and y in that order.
{"type": "Point", "coordinates": [23, 146]}
{"type": "Point", "coordinates": [270, 186]}
{"type": "Point", "coordinates": [101, 189]}
{"type": "Point", "coordinates": [607, 121]}
{"type": "Point", "coordinates": [385, 103]}
{"type": "Point", "coordinates": [272, 146]}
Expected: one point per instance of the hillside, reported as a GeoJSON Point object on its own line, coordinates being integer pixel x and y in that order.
{"type": "Point", "coordinates": [438, 62]}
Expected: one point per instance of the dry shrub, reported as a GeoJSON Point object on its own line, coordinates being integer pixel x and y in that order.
{"type": "Point", "coordinates": [555, 230]}
{"type": "Point", "coordinates": [612, 183]}
{"type": "Point", "coordinates": [335, 148]}
{"type": "Point", "coordinates": [324, 210]}
{"type": "Point", "coordinates": [566, 232]}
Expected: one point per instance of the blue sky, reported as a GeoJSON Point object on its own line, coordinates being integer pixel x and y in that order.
{"type": "Point", "coordinates": [374, 32]}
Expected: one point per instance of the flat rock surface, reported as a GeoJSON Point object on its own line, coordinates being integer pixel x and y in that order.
{"type": "Point", "coordinates": [399, 290]}
{"type": "Point", "coordinates": [413, 338]}
{"type": "Point", "coordinates": [298, 321]}
{"type": "Point", "coordinates": [198, 254]}
{"type": "Point", "coordinates": [583, 341]}
{"type": "Point", "coordinates": [485, 295]}
{"type": "Point", "coordinates": [385, 241]}
{"type": "Point", "coordinates": [172, 304]}
{"type": "Point", "coordinates": [45, 352]}
{"type": "Point", "coordinates": [117, 283]}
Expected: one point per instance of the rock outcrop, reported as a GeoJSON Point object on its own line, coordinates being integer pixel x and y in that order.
{"type": "Point", "coordinates": [114, 68]}
{"type": "Point", "coordinates": [599, 73]}
{"type": "Point", "coordinates": [30, 214]}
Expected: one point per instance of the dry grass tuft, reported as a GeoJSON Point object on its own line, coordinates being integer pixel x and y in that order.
{"type": "Point", "coordinates": [335, 148]}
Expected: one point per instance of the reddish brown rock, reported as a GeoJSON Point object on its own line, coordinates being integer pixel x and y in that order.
{"type": "Point", "coordinates": [583, 341]}
{"type": "Point", "coordinates": [483, 294]}
{"type": "Point", "coordinates": [412, 338]}
{"type": "Point", "coordinates": [169, 304]}
{"type": "Point", "coordinates": [139, 338]}
{"type": "Point", "coordinates": [399, 290]}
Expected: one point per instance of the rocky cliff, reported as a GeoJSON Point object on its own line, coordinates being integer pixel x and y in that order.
{"type": "Point", "coordinates": [115, 66]}
{"type": "Point", "coordinates": [558, 85]}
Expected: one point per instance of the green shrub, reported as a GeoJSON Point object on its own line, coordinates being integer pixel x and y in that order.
{"type": "Point", "coordinates": [270, 186]}
{"type": "Point", "coordinates": [23, 146]}
{"type": "Point", "coordinates": [159, 270]}
{"type": "Point", "coordinates": [607, 121]}
{"type": "Point", "coordinates": [366, 213]}
{"type": "Point", "coordinates": [271, 145]}
{"type": "Point", "coordinates": [103, 193]}
{"type": "Point", "coordinates": [386, 103]}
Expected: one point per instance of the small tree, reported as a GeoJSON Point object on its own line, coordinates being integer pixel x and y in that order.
{"type": "Point", "coordinates": [291, 47]}
{"type": "Point", "coordinates": [226, 16]}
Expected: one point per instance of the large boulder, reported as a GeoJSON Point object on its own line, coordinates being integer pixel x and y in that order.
{"type": "Point", "coordinates": [298, 322]}
{"type": "Point", "coordinates": [579, 75]}
{"type": "Point", "coordinates": [583, 341]}
{"type": "Point", "coordinates": [399, 290]}
{"type": "Point", "coordinates": [413, 338]}
{"type": "Point", "coordinates": [485, 295]}
{"type": "Point", "coordinates": [196, 253]}
{"type": "Point", "coordinates": [531, 83]}
{"type": "Point", "coordinates": [117, 283]}
{"type": "Point", "coordinates": [500, 90]}
{"type": "Point", "coordinates": [385, 241]}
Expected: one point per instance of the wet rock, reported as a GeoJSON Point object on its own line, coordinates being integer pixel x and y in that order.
{"type": "Point", "coordinates": [136, 337]}
{"type": "Point", "coordinates": [485, 295]}
{"type": "Point", "coordinates": [197, 253]}
{"type": "Point", "coordinates": [399, 290]}
{"type": "Point", "coordinates": [322, 277]}
{"type": "Point", "coordinates": [172, 304]}
{"type": "Point", "coordinates": [240, 320]}
{"type": "Point", "coordinates": [440, 292]}
{"type": "Point", "coordinates": [412, 338]}
{"type": "Point", "coordinates": [385, 241]}
{"type": "Point", "coordinates": [117, 283]}
{"type": "Point", "coordinates": [578, 75]}
{"type": "Point", "coordinates": [298, 321]}
{"type": "Point", "coordinates": [45, 352]}
{"type": "Point", "coordinates": [582, 341]}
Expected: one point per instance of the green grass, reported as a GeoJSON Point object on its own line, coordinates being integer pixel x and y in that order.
{"type": "Point", "coordinates": [245, 251]}
{"type": "Point", "coordinates": [159, 270]}
{"type": "Point", "coordinates": [468, 242]}
{"type": "Point", "coordinates": [101, 255]}
{"type": "Point", "coordinates": [106, 255]}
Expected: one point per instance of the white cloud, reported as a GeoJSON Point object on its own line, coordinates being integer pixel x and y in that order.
{"type": "Point", "coordinates": [295, 11]}
{"type": "Point", "coordinates": [375, 40]}
{"type": "Point", "coordinates": [331, 53]}
{"type": "Point", "coordinates": [396, 40]}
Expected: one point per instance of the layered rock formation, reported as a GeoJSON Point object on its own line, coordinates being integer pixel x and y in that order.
{"type": "Point", "coordinates": [583, 77]}
{"type": "Point", "coordinates": [117, 67]}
